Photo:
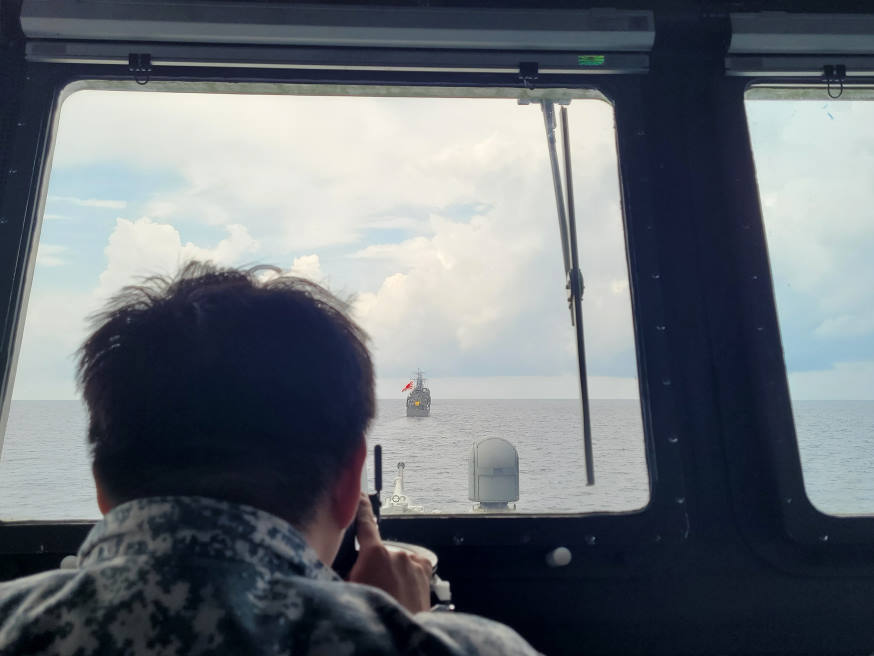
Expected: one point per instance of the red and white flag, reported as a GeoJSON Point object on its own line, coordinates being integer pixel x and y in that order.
{"type": "Point", "coordinates": [408, 386]}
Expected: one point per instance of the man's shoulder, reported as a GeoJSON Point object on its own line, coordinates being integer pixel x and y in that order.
{"type": "Point", "coordinates": [326, 616]}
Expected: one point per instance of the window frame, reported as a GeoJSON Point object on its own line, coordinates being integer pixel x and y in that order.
{"type": "Point", "coordinates": [803, 523]}
{"type": "Point", "coordinates": [663, 520]}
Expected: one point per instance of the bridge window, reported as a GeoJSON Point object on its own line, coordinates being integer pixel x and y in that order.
{"type": "Point", "coordinates": [437, 213]}
{"type": "Point", "coordinates": [814, 159]}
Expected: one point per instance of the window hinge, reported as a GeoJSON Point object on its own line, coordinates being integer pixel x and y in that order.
{"type": "Point", "coordinates": [528, 74]}
{"type": "Point", "coordinates": [834, 75]}
{"type": "Point", "coordinates": [140, 64]}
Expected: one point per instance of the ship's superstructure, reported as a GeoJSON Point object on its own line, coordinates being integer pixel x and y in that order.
{"type": "Point", "coordinates": [419, 400]}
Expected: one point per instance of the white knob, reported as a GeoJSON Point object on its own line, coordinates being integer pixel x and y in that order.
{"type": "Point", "coordinates": [441, 589]}
{"type": "Point", "coordinates": [558, 557]}
{"type": "Point", "coordinates": [69, 562]}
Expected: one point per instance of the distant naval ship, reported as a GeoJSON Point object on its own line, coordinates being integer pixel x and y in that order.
{"type": "Point", "coordinates": [419, 400]}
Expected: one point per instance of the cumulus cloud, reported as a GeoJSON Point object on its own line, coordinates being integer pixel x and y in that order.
{"type": "Point", "coordinates": [488, 296]}
{"type": "Point", "coordinates": [144, 247]}
{"type": "Point", "coordinates": [307, 170]}
{"type": "Point", "coordinates": [307, 266]}
{"type": "Point", "coordinates": [456, 292]}
{"type": "Point", "coordinates": [439, 216]}
{"type": "Point", "coordinates": [56, 322]}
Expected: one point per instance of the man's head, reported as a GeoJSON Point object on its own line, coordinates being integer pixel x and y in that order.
{"type": "Point", "coordinates": [218, 384]}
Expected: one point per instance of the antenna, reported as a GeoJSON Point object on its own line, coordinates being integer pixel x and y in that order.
{"type": "Point", "coordinates": [375, 499]}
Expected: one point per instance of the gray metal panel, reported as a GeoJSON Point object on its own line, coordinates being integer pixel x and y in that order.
{"type": "Point", "coordinates": [795, 66]}
{"type": "Point", "coordinates": [386, 27]}
{"type": "Point", "coordinates": [805, 91]}
{"type": "Point", "coordinates": [360, 59]}
{"type": "Point", "coordinates": [802, 34]}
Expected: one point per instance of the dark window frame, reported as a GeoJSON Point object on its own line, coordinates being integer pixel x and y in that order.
{"type": "Point", "coordinates": [842, 537]}
{"type": "Point", "coordinates": [663, 520]}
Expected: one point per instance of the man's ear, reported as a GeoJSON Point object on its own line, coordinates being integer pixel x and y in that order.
{"type": "Point", "coordinates": [103, 501]}
{"type": "Point", "coordinates": [347, 489]}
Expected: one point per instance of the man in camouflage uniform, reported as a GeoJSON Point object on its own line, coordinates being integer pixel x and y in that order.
{"type": "Point", "coordinates": [227, 420]}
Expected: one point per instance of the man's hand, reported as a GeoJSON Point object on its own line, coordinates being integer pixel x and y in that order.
{"type": "Point", "coordinates": [405, 576]}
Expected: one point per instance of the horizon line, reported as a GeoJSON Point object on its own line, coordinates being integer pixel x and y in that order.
{"type": "Point", "coordinates": [525, 398]}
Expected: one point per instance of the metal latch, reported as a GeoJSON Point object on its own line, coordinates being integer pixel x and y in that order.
{"type": "Point", "coordinates": [834, 74]}
{"type": "Point", "coordinates": [140, 64]}
{"type": "Point", "coordinates": [528, 74]}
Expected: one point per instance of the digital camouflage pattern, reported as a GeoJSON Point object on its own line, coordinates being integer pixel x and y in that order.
{"type": "Point", "coordinates": [189, 576]}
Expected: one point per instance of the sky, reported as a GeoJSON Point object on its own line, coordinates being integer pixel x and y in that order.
{"type": "Point", "coordinates": [434, 217]}
{"type": "Point", "coordinates": [814, 161]}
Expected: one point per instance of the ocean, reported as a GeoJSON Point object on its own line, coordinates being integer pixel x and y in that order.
{"type": "Point", "coordinates": [45, 474]}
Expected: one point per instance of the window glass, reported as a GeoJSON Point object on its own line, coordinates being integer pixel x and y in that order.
{"type": "Point", "coordinates": [436, 214]}
{"type": "Point", "coordinates": [814, 159]}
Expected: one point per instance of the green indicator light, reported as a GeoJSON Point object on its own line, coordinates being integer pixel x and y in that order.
{"type": "Point", "coordinates": [590, 60]}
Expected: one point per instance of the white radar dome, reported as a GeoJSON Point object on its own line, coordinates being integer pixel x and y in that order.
{"type": "Point", "coordinates": [493, 472]}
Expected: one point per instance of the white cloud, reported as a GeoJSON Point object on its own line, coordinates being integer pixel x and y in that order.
{"type": "Point", "coordinates": [489, 294]}
{"type": "Point", "coordinates": [90, 202]}
{"type": "Point", "coordinates": [56, 322]}
{"type": "Point", "coordinates": [813, 171]}
{"type": "Point", "coordinates": [144, 247]}
{"type": "Point", "coordinates": [305, 170]}
{"type": "Point", "coordinates": [49, 255]}
{"type": "Point", "coordinates": [482, 293]}
{"type": "Point", "coordinates": [449, 295]}
{"type": "Point", "coordinates": [467, 278]}
{"type": "Point", "coordinates": [56, 217]}
{"type": "Point", "coordinates": [307, 266]}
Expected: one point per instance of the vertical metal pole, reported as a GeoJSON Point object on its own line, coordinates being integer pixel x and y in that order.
{"type": "Point", "coordinates": [576, 283]}
{"type": "Point", "coordinates": [549, 123]}
{"type": "Point", "coordinates": [376, 498]}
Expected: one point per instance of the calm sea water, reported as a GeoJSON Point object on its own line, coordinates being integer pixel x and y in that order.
{"type": "Point", "coordinates": [44, 470]}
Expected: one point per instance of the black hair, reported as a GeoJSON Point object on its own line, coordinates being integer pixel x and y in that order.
{"type": "Point", "coordinates": [219, 383]}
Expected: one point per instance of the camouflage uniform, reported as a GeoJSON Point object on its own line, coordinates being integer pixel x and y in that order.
{"type": "Point", "coordinates": [189, 575]}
